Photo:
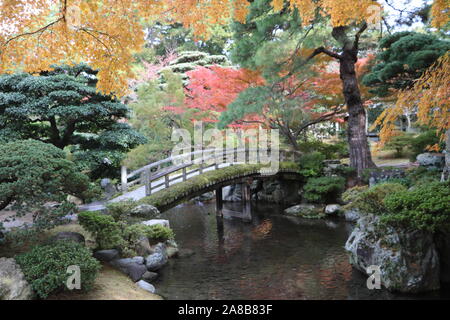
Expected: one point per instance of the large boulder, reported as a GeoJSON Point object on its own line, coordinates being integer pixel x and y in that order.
{"type": "Point", "coordinates": [106, 255]}
{"type": "Point", "coordinates": [132, 267]}
{"type": "Point", "coordinates": [145, 211]}
{"type": "Point", "coordinates": [408, 261]}
{"type": "Point", "coordinates": [13, 285]}
{"type": "Point", "coordinates": [69, 236]}
{"type": "Point", "coordinates": [431, 160]}
{"type": "Point", "coordinates": [158, 259]}
{"type": "Point", "coordinates": [309, 211]}
{"type": "Point", "coordinates": [143, 247]}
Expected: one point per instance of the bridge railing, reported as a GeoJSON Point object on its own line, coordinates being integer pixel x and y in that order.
{"type": "Point", "coordinates": [183, 166]}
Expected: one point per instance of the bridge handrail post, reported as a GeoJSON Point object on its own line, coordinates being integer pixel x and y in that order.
{"type": "Point", "coordinates": [124, 178]}
{"type": "Point", "coordinates": [147, 182]}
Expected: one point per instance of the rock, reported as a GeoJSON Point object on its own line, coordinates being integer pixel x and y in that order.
{"type": "Point", "coordinates": [443, 247]}
{"type": "Point", "coordinates": [158, 259]}
{"type": "Point", "coordinates": [76, 201]}
{"type": "Point", "coordinates": [138, 260]}
{"type": "Point", "coordinates": [172, 252]}
{"type": "Point", "coordinates": [146, 286]}
{"type": "Point", "coordinates": [171, 243]}
{"type": "Point", "coordinates": [164, 223]}
{"type": "Point", "coordinates": [332, 209]}
{"type": "Point", "coordinates": [149, 276]}
{"type": "Point", "coordinates": [132, 267]}
{"type": "Point", "coordinates": [306, 211]}
{"type": "Point", "coordinates": [143, 247]}
{"type": "Point", "coordinates": [13, 285]}
{"type": "Point", "coordinates": [431, 160]}
{"type": "Point", "coordinates": [106, 255]}
{"type": "Point", "coordinates": [145, 211]}
{"type": "Point", "coordinates": [408, 261]}
{"type": "Point", "coordinates": [351, 215]}
{"type": "Point", "coordinates": [69, 236]}
{"type": "Point", "coordinates": [185, 253]}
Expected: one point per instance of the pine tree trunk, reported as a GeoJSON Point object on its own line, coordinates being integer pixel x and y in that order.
{"type": "Point", "coordinates": [360, 156]}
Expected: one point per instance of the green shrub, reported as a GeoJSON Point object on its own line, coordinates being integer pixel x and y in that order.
{"type": "Point", "coordinates": [118, 210]}
{"type": "Point", "coordinates": [324, 189]}
{"type": "Point", "coordinates": [45, 266]}
{"type": "Point", "coordinates": [155, 233]}
{"type": "Point", "coordinates": [33, 173]}
{"type": "Point", "coordinates": [371, 200]}
{"type": "Point", "coordinates": [426, 207]}
{"type": "Point", "coordinates": [107, 232]}
{"type": "Point", "coordinates": [311, 164]}
{"type": "Point", "coordinates": [421, 175]}
{"type": "Point", "coordinates": [353, 193]}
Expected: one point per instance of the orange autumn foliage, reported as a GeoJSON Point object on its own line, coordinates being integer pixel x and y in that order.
{"type": "Point", "coordinates": [34, 34]}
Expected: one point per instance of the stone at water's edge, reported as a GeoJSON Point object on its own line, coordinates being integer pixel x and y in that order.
{"type": "Point", "coordinates": [332, 209]}
{"type": "Point", "coordinates": [133, 267]}
{"type": "Point", "coordinates": [149, 276]}
{"type": "Point", "coordinates": [146, 286]}
{"type": "Point", "coordinates": [351, 215]}
{"type": "Point", "coordinates": [13, 285]}
{"type": "Point", "coordinates": [310, 211]}
{"type": "Point", "coordinates": [408, 261]}
{"type": "Point", "coordinates": [158, 259]}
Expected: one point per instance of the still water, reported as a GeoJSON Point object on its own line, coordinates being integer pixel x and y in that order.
{"type": "Point", "coordinates": [270, 257]}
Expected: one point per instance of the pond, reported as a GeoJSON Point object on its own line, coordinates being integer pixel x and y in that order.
{"type": "Point", "coordinates": [273, 256]}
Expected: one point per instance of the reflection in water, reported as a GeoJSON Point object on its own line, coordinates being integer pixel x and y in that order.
{"type": "Point", "coordinates": [270, 257]}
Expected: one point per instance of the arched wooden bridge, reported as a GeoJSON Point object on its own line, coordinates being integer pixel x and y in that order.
{"type": "Point", "coordinates": [171, 181]}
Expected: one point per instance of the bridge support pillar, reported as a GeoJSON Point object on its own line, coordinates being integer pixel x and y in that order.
{"type": "Point", "coordinates": [219, 202]}
{"type": "Point", "coordinates": [247, 199]}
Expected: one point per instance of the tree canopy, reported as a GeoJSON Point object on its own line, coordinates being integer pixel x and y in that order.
{"type": "Point", "coordinates": [64, 108]}
{"type": "Point", "coordinates": [404, 57]}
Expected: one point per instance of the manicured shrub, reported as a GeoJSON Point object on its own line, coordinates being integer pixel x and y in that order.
{"type": "Point", "coordinates": [353, 193]}
{"type": "Point", "coordinates": [311, 164]}
{"type": "Point", "coordinates": [155, 233]}
{"type": "Point", "coordinates": [323, 189]}
{"type": "Point", "coordinates": [107, 232]}
{"type": "Point", "coordinates": [400, 143]}
{"type": "Point", "coordinates": [45, 267]}
{"type": "Point", "coordinates": [426, 207]}
{"type": "Point", "coordinates": [33, 173]}
{"type": "Point", "coordinates": [372, 199]}
{"type": "Point", "coordinates": [118, 210]}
